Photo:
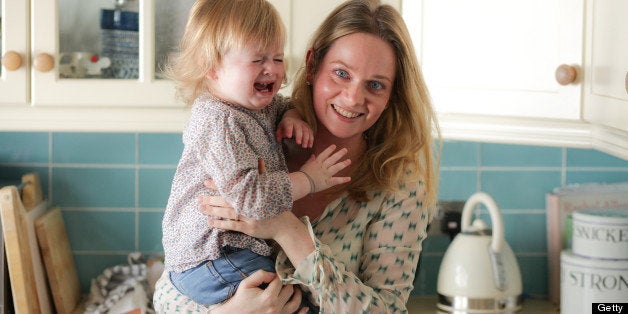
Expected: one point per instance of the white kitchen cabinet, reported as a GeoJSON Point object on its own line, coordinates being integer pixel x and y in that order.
{"type": "Point", "coordinates": [491, 68]}
{"type": "Point", "coordinates": [44, 101]}
{"type": "Point", "coordinates": [48, 89]}
{"type": "Point", "coordinates": [14, 75]}
{"type": "Point", "coordinates": [35, 96]}
{"type": "Point", "coordinates": [489, 65]}
{"type": "Point", "coordinates": [498, 58]}
{"type": "Point", "coordinates": [43, 83]}
{"type": "Point", "coordinates": [606, 64]}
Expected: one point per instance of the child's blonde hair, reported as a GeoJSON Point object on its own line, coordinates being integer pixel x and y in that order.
{"type": "Point", "coordinates": [214, 27]}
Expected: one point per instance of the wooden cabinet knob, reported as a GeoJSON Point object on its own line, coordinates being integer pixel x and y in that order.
{"type": "Point", "coordinates": [12, 60]}
{"type": "Point", "coordinates": [43, 62]}
{"type": "Point", "coordinates": [626, 82]}
{"type": "Point", "coordinates": [566, 74]}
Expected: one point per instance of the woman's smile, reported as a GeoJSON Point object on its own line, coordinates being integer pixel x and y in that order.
{"type": "Point", "coordinates": [345, 113]}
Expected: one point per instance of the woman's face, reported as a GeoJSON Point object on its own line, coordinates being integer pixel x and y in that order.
{"type": "Point", "coordinates": [352, 85]}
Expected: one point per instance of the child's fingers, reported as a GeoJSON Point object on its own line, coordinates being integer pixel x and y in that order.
{"type": "Point", "coordinates": [327, 152]}
{"type": "Point", "coordinates": [308, 139]}
{"type": "Point", "coordinates": [297, 133]}
{"type": "Point", "coordinates": [284, 131]}
{"type": "Point", "coordinates": [334, 158]}
{"type": "Point", "coordinates": [336, 167]}
{"type": "Point", "coordinates": [338, 180]}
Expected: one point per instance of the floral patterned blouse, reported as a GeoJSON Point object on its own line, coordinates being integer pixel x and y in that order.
{"type": "Point", "coordinates": [365, 256]}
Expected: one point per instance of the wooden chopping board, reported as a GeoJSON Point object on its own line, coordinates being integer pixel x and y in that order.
{"type": "Point", "coordinates": [59, 262]}
{"type": "Point", "coordinates": [26, 270]}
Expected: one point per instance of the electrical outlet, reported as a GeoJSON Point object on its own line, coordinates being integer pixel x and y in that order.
{"type": "Point", "coordinates": [446, 219]}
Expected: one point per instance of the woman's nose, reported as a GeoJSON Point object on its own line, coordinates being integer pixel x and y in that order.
{"type": "Point", "coordinates": [354, 94]}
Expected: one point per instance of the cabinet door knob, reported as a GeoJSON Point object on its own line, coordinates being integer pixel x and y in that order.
{"type": "Point", "coordinates": [566, 74]}
{"type": "Point", "coordinates": [626, 82]}
{"type": "Point", "coordinates": [43, 62]}
{"type": "Point", "coordinates": [12, 60]}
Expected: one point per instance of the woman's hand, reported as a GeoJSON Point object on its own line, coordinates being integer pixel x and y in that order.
{"type": "Point", "coordinates": [223, 216]}
{"type": "Point", "coordinates": [286, 229]}
{"type": "Point", "coordinates": [276, 298]}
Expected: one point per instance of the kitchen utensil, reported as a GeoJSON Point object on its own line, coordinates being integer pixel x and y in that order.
{"type": "Point", "coordinates": [479, 272]}
{"type": "Point", "coordinates": [26, 270]}
{"type": "Point", "coordinates": [59, 261]}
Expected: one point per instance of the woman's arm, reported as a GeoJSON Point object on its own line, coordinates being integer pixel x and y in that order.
{"type": "Point", "coordinates": [383, 240]}
{"type": "Point", "coordinates": [249, 298]}
{"type": "Point", "coordinates": [369, 265]}
{"type": "Point", "coordinates": [286, 229]}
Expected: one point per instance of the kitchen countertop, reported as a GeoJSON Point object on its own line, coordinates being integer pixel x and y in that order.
{"type": "Point", "coordinates": [427, 304]}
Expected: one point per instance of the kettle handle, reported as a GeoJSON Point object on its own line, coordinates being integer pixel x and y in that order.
{"type": "Point", "coordinates": [497, 242]}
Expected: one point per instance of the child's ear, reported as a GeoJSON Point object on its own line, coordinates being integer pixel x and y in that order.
{"type": "Point", "coordinates": [211, 74]}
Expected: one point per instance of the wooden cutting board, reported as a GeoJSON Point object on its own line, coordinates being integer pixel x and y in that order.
{"type": "Point", "coordinates": [26, 270]}
{"type": "Point", "coordinates": [59, 262]}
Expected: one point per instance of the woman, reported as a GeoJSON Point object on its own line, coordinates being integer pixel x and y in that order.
{"type": "Point", "coordinates": [354, 248]}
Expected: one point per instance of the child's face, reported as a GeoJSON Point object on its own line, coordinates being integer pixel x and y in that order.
{"type": "Point", "coordinates": [249, 77]}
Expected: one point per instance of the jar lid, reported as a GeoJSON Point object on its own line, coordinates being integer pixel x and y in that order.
{"type": "Point", "coordinates": [618, 215]}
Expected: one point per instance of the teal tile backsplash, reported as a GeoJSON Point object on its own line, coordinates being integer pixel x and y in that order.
{"type": "Point", "coordinates": [113, 188]}
{"type": "Point", "coordinates": [79, 186]}
{"type": "Point", "coordinates": [93, 148]}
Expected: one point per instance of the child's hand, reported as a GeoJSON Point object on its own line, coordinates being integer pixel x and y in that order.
{"type": "Point", "coordinates": [320, 170]}
{"type": "Point", "coordinates": [291, 126]}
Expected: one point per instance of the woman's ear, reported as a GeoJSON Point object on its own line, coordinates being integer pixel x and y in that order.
{"type": "Point", "coordinates": [309, 65]}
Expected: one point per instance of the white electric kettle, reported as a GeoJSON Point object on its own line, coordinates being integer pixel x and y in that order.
{"type": "Point", "coordinates": [479, 273]}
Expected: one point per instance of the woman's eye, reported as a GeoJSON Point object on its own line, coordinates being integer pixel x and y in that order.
{"type": "Point", "coordinates": [342, 73]}
{"type": "Point", "coordinates": [257, 61]}
{"type": "Point", "coordinates": [376, 85]}
{"type": "Point", "coordinates": [278, 60]}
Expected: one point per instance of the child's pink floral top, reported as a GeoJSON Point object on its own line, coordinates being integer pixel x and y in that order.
{"type": "Point", "coordinates": [224, 143]}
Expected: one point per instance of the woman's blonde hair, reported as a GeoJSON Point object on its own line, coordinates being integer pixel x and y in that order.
{"type": "Point", "coordinates": [401, 140]}
{"type": "Point", "coordinates": [214, 27]}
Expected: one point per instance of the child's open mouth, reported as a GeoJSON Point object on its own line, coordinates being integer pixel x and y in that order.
{"type": "Point", "coordinates": [264, 87]}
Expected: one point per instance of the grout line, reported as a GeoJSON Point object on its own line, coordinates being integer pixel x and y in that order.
{"type": "Point", "coordinates": [617, 169]}
{"type": "Point", "coordinates": [50, 173]}
{"type": "Point", "coordinates": [76, 165]}
{"type": "Point", "coordinates": [88, 252]}
{"type": "Point", "coordinates": [516, 168]}
{"type": "Point", "coordinates": [563, 172]}
{"type": "Point", "coordinates": [479, 169]}
{"type": "Point", "coordinates": [137, 191]}
{"type": "Point", "coordinates": [99, 209]}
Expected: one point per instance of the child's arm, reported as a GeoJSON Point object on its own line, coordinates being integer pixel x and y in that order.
{"type": "Point", "coordinates": [318, 172]}
{"type": "Point", "coordinates": [292, 126]}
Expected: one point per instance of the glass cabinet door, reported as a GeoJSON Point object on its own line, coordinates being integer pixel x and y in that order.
{"type": "Point", "coordinates": [14, 72]}
{"type": "Point", "coordinates": [104, 53]}
{"type": "Point", "coordinates": [170, 19]}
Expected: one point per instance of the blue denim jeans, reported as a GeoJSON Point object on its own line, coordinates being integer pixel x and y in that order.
{"type": "Point", "coordinates": [213, 282]}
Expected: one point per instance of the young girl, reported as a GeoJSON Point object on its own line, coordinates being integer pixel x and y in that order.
{"type": "Point", "coordinates": [231, 67]}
